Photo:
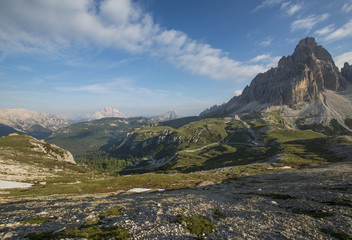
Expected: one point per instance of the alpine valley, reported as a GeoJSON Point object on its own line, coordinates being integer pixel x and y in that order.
{"type": "Point", "coordinates": [272, 163]}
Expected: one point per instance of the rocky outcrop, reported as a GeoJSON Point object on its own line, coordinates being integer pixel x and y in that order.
{"type": "Point", "coordinates": [346, 71]}
{"type": "Point", "coordinates": [297, 79]}
{"type": "Point", "coordinates": [24, 158]}
{"type": "Point", "coordinates": [52, 150]}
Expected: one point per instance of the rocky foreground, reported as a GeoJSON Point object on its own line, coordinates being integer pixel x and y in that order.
{"type": "Point", "coordinates": [313, 203]}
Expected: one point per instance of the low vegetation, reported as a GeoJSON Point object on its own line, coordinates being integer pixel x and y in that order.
{"type": "Point", "coordinates": [197, 225]}
{"type": "Point", "coordinates": [112, 212]}
{"type": "Point", "coordinates": [38, 220]}
{"type": "Point", "coordinates": [91, 232]}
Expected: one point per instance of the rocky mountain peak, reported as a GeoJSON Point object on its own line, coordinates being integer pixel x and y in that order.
{"type": "Point", "coordinates": [298, 79]}
{"type": "Point", "coordinates": [307, 83]}
{"type": "Point", "coordinates": [307, 48]}
{"type": "Point", "coordinates": [106, 112]}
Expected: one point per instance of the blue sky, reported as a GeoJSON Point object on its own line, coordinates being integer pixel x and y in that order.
{"type": "Point", "coordinates": [149, 57]}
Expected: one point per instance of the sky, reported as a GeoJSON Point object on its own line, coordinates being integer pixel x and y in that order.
{"type": "Point", "coordinates": [147, 57]}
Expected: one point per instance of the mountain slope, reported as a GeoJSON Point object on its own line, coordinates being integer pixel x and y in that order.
{"type": "Point", "coordinates": [36, 124]}
{"type": "Point", "coordinates": [94, 135]}
{"type": "Point", "coordinates": [306, 86]}
{"type": "Point", "coordinates": [24, 158]}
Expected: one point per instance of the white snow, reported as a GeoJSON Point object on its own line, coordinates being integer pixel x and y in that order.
{"type": "Point", "coordinates": [10, 184]}
{"type": "Point", "coordinates": [140, 190]}
{"type": "Point", "coordinates": [286, 167]}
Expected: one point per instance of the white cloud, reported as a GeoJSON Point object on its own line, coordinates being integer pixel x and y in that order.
{"type": "Point", "coordinates": [237, 92]}
{"type": "Point", "coordinates": [55, 27]}
{"type": "Point", "coordinates": [267, 60]}
{"type": "Point", "coordinates": [266, 42]}
{"type": "Point", "coordinates": [341, 59]}
{"type": "Point", "coordinates": [344, 31]}
{"type": "Point", "coordinates": [308, 23]}
{"type": "Point", "coordinates": [260, 58]}
{"type": "Point", "coordinates": [119, 87]}
{"type": "Point", "coordinates": [325, 30]}
{"type": "Point", "coordinates": [347, 7]}
{"type": "Point", "coordinates": [117, 84]}
{"type": "Point", "coordinates": [291, 9]}
{"type": "Point", "coordinates": [267, 3]}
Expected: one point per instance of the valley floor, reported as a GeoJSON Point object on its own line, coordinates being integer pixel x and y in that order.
{"type": "Point", "coordinates": [312, 203]}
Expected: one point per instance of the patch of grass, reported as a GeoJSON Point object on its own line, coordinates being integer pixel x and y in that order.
{"type": "Point", "coordinates": [93, 232]}
{"type": "Point", "coordinates": [197, 225]}
{"type": "Point", "coordinates": [313, 213]}
{"type": "Point", "coordinates": [283, 136]}
{"type": "Point", "coordinates": [113, 212]}
{"type": "Point", "coordinates": [336, 234]}
{"type": "Point", "coordinates": [275, 195]}
{"type": "Point", "coordinates": [38, 220]}
{"type": "Point", "coordinates": [40, 236]}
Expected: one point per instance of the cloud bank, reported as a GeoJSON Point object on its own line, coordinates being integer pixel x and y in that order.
{"type": "Point", "coordinates": [52, 26]}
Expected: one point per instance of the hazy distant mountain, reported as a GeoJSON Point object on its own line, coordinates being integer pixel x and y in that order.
{"type": "Point", "coordinates": [171, 115]}
{"type": "Point", "coordinates": [36, 124]}
{"type": "Point", "coordinates": [104, 113]}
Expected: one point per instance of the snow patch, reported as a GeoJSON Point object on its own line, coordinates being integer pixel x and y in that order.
{"type": "Point", "coordinates": [11, 184]}
{"type": "Point", "coordinates": [140, 190]}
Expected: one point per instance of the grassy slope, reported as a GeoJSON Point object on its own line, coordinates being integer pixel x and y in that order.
{"type": "Point", "coordinates": [20, 150]}
{"type": "Point", "coordinates": [296, 148]}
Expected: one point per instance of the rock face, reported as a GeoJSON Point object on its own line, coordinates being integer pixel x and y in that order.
{"type": "Point", "coordinates": [307, 77]}
{"type": "Point", "coordinates": [346, 71]}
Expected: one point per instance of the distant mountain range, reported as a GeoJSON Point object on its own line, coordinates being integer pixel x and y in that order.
{"type": "Point", "coordinates": [90, 133]}
{"type": "Point", "coordinates": [36, 124]}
